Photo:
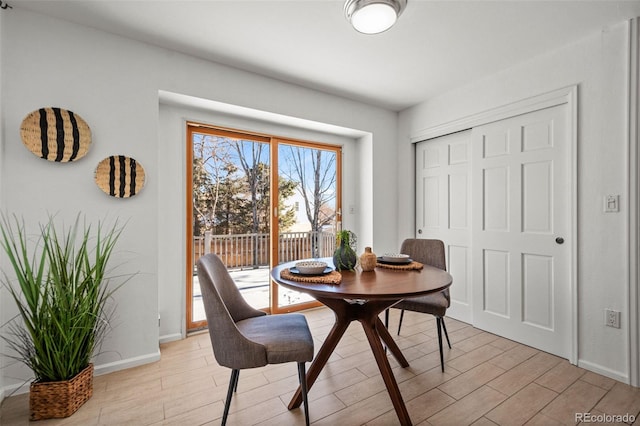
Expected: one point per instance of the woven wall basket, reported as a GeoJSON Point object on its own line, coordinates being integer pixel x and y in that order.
{"type": "Point", "coordinates": [56, 134]}
{"type": "Point", "coordinates": [120, 176]}
{"type": "Point", "coordinates": [55, 400]}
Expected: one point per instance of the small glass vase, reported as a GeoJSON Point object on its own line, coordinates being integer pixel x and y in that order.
{"type": "Point", "coordinates": [344, 258]}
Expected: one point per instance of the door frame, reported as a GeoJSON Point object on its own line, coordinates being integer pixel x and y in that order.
{"type": "Point", "coordinates": [274, 141]}
{"type": "Point", "coordinates": [569, 96]}
{"type": "Point", "coordinates": [633, 138]}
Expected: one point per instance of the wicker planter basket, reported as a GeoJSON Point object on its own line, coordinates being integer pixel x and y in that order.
{"type": "Point", "coordinates": [54, 400]}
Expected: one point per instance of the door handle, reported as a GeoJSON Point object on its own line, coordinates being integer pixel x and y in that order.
{"type": "Point", "coordinates": [419, 231]}
{"type": "Point", "coordinates": [559, 240]}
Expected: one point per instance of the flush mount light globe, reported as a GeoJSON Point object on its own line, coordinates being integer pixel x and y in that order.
{"type": "Point", "coordinates": [373, 16]}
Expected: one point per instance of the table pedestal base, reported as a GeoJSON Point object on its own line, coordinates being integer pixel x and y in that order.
{"type": "Point", "coordinates": [367, 314]}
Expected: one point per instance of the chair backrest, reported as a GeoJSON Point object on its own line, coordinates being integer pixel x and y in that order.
{"type": "Point", "coordinates": [224, 306]}
{"type": "Point", "coordinates": [427, 252]}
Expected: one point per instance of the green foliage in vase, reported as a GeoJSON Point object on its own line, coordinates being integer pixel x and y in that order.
{"type": "Point", "coordinates": [344, 257]}
{"type": "Point", "coordinates": [62, 292]}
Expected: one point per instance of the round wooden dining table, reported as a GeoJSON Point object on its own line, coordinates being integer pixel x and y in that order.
{"type": "Point", "coordinates": [362, 296]}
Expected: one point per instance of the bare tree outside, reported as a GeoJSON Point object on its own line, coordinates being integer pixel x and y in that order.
{"type": "Point", "coordinates": [316, 174]}
{"type": "Point", "coordinates": [252, 157]}
{"type": "Point", "coordinates": [209, 173]}
{"type": "Point", "coordinates": [231, 181]}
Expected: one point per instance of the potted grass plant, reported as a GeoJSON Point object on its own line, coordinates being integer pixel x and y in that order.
{"type": "Point", "coordinates": [60, 286]}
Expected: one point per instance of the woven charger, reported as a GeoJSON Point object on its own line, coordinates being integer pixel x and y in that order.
{"type": "Point", "coordinates": [56, 134]}
{"type": "Point", "coordinates": [413, 266]}
{"type": "Point", "coordinates": [120, 176]}
{"type": "Point", "coordinates": [333, 277]}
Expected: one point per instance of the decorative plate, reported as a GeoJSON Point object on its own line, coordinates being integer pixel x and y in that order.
{"type": "Point", "coordinates": [120, 176]}
{"type": "Point", "coordinates": [311, 267]}
{"type": "Point", "coordinates": [404, 261]}
{"type": "Point", "coordinates": [56, 134]}
{"type": "Point", "coordinates": [295, 271]}
{"type": "Point", "coordinates": [395, 257]}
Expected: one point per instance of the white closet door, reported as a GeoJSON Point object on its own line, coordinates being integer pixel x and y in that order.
{"type": "Point", "coordinates": [443, 209]}
{"type": "Point", "coordinates": [521, 211]}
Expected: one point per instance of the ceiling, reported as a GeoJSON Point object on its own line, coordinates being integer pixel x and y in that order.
{"type": "Point", "coordinates": [434, 47]}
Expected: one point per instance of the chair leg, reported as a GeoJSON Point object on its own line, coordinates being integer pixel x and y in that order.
{"type": "Point", "coordinates": [444, 327]}
{"type": "Point", "coordinates": [439, 324]}
{"type": "Point", "coordinates": [302, 376]}
{"type": "Point", "coordinates": [386, 325]}
{"type": "Point", "coordinates": [233, 384]}
{"type": "Point", "coordinates": [400, 322]}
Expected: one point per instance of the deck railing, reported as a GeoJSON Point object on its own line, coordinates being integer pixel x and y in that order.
{"type": "Point", "coordinates": [247, 251]}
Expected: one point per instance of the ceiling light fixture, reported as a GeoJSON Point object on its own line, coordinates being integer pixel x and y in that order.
{"type": "Point", "coordinates": [373, 16]}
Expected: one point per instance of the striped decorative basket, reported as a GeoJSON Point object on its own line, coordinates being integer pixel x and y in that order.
{"type": "Point", "coordinates": [120, 176]}
{"type": "Point", "coordinates": [55, 400]}
{"type": "Point", "coordinates": [56, 134]}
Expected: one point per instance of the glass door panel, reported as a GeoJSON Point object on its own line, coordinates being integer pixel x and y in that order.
{"type": "Point", "coordinates": [231, 213]}
{"type": "Point", "coordinates": [307, 208]}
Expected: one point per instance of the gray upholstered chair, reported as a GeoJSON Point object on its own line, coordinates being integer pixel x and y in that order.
{"type": "Point", "coordinates": [428, 252]}
{"type": "Point", "coordinates": [244, 337]}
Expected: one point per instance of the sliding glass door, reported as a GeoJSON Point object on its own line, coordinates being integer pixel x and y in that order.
{"type": "Point", "coordinates": [235, 211]}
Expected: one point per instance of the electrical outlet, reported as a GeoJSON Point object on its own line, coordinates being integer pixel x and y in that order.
{"type": "Point", "coordinates": [612, 318]}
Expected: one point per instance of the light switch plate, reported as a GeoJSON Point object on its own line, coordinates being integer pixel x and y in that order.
{"type": "Point", "coordinates": [611, 203]}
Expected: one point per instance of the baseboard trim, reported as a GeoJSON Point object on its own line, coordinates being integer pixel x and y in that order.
{"type": "Point", "coordinates": [170, 337]}
{"type": "Point", "coordinates": [460, 312]}
{"type": "Point", "coordinates": [17, 389]}
{"type": "Point", "coordinates": [127, 363]}
{"type": "Point", "coordinates": [615, 375]}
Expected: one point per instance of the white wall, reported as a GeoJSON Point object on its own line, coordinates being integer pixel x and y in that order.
{"type": "Point", "coordinates": [598, 65]}
{"type": "Point", "coordinates": [114, 84]}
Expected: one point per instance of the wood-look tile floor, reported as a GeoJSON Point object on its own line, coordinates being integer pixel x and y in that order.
{"type": "Point", "coordinates": [488, 380]}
